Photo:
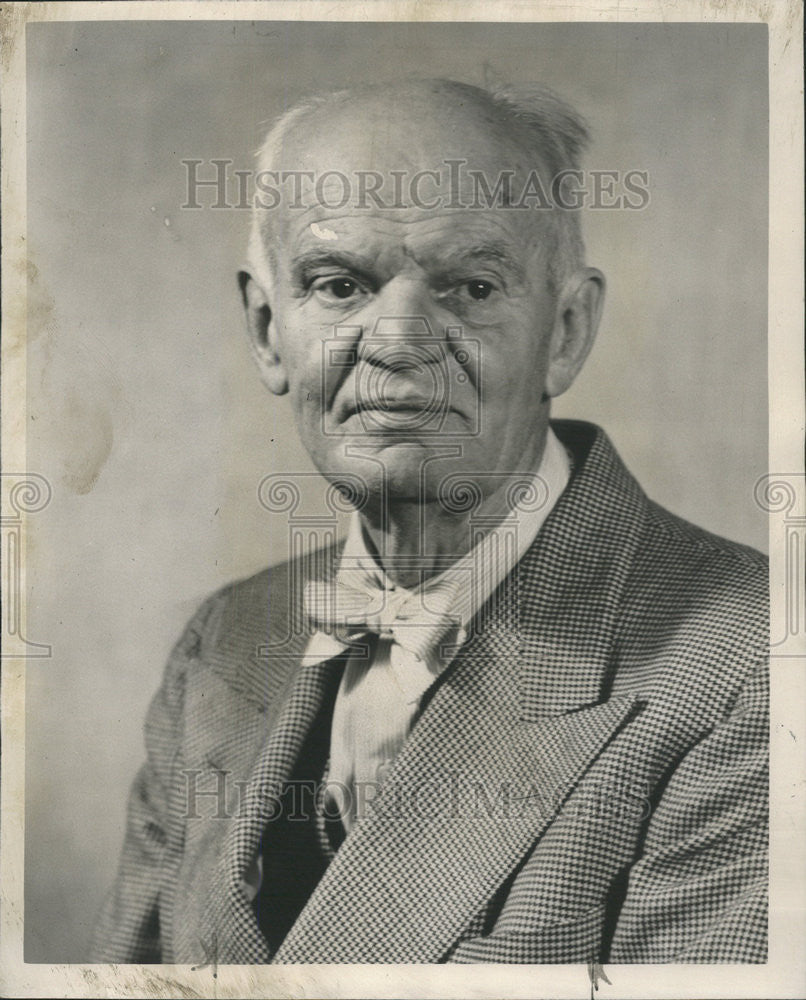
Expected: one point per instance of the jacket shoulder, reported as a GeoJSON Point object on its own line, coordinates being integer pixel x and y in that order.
{"type": "Point", "coordinates": [683, 556]}
{"type": "Point", "coordinates": [270, 600]}
{"type": "Point", "coordinates": [239, 615]}
{"type": "Point", "coordinates": [253, 629]}
{"type": "Point", "coordinates": [696, 539]}
{"type": "Point", "coordinates": [695, 616]}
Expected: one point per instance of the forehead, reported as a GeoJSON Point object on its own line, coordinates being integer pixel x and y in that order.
{"type": "Point", "coordinates": [435, 241]}
{"type": "Point", "coordinates": [396, 169]}
{"type": "Point", "coordinates": [401, 128]}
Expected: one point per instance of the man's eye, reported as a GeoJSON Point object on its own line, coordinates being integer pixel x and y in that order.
{"type": "Point", "coordinates": [479, 290]}
{"type": "Point", "coordinates": [339, 288]}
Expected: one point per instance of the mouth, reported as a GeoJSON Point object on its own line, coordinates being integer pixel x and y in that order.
{"type": "Point", "coordinates": [405, 405]}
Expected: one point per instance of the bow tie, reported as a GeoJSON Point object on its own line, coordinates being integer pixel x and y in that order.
{"type": "Point", "coordinates": [417, 621]}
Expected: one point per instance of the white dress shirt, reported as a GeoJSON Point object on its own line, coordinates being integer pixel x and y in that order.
{"type": "Point", "coordinates": [379, 696]}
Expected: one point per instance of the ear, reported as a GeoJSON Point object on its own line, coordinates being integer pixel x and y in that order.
{"type": "Point", "coordinates": [579, 309]}
{"type": "Point", "coordinates": [261, 332]}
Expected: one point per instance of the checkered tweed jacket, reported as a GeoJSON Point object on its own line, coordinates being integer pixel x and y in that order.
{"type": "Point", "coordinates": [588, 781]}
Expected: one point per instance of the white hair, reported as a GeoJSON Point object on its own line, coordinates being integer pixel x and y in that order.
{"type": "Point", "coordinates": [553, 135]}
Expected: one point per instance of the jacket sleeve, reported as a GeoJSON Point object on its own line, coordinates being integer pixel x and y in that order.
{"type": "Point", "coordinates": [698, 892]}
{"type": "Point", "coordinates": [128, 928]}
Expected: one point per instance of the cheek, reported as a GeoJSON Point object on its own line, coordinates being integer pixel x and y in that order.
{"type": "Point", "coordinates": [302, 351]}
{"type": "Point", "coordinates": [516, 356]}
{"type": "Point", "coordinates": [312, 389]}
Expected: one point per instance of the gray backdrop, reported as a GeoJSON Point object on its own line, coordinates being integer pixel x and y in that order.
{"type": "Point", "coordinates": [145, 414]}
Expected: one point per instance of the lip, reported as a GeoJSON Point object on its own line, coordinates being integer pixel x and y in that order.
{"type": "Point", "coordinates": [402, 405]}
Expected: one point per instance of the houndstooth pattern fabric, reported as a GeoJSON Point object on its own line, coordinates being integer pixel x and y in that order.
{"type": "Point", "coordinates": [588, 780]}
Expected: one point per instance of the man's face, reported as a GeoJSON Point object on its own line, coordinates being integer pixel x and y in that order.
{"type": "Point", "coordinates": [415, 342]}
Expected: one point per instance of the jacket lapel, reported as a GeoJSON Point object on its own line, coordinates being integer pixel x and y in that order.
{"type": "Point", "coordinates": [513, 725]}
{"type": "Point", "coordinates": [237, 934]}
{"type": "Point", "coordinates": [276, 698]}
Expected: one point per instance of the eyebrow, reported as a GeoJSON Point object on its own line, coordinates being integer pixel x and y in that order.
{"type": "Point", "coordinates": [486, 253]}
{"type": "Point", "coordinates": [315, 257]}
{"type": "Point", "coordinates": [450, 259]}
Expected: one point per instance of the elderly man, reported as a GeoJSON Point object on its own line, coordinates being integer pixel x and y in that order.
{"type": "Point", "coordinates": [519, 715]}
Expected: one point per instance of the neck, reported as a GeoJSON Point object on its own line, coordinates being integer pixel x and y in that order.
{"type": "Point", "coordinates": [413, 541]}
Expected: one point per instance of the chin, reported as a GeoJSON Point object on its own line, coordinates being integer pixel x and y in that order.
{"type": "Point", "coordinates": [396, 465]}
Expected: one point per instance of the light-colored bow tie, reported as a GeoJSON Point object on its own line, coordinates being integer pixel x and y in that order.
{"type": "Point", "coordinates": [417, 621]}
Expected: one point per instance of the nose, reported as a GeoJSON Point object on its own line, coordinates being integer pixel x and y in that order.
{"type": "Point", "coordinates": [404, 334]}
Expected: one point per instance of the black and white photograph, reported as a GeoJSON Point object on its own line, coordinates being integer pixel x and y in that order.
{"type": "Point", "coordinates": [404, 523]}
